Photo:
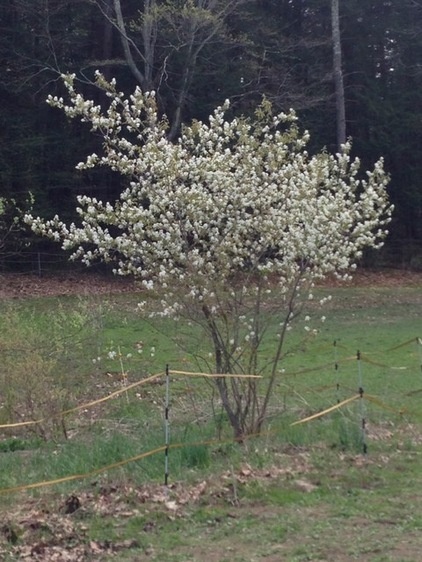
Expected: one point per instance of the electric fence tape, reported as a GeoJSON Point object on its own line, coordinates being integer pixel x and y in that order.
{"type": "Point", "coordinates": [162, 448]}
{"type": "Point", "coordinates": [327, 411]}
{"type": "Point", "coordinates": [167, 446]}
{"type": "Point", "coordinates": [123, 390]}
{"type": "Point", "coordinates": [85, 405]}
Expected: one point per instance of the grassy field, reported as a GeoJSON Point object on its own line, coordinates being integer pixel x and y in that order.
{"type": "Point", "coordinates": [296, 493]}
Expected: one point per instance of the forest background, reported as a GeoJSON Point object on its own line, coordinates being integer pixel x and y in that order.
{"type": "Point", "coordinates": [195, 54]}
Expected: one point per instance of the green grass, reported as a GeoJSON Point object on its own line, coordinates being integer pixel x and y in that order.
{"type": "Point", "coordinates": [353, 514]}
{"type": "Point", "coordinates": [357, 508]}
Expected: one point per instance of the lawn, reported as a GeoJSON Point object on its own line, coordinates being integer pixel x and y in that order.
{"type": "Point", "coordinates": [295, 493]}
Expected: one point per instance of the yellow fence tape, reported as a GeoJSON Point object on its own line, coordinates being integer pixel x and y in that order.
{"type": "Point", "coordinates": [122, 390]}
{"type": "Point", "coordinates": [146, 454]}
{"type": "Point", "coordinates": [413, 340]}
{"type": "Point", "coordinates": [86, 405]}
{"type": "Point", "coordinates": [412, 392]}
{"type": "Point", "coordinates": [327, 411]}
{"type": "Point", "coordinates": [318, 367]}
{"type": "Point", "coordinates": [381, 404]}
{"type": "Point", "coordinates": [366, 359]}
{"type": "Point", "coordinates": [214, 375]}
{"type": "Point", "coordinates": [162, 448]}
{"type": "Point", "coordinates": [81, 476]}
{"type": "Point", "coordinates": [112, 466]}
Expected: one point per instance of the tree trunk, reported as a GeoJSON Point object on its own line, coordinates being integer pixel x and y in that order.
{"type": "Point", "coordinates": [108, 35]}
{"type": "Point", "coordinates": [338, 74]}
{"type": "Point", "coordinates": [139, 76]}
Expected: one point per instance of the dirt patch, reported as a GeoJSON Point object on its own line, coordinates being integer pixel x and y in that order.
{"type": "Point", "coordinates": [15, 285]}
{"type": "Point", "coordinates": [387, 278]}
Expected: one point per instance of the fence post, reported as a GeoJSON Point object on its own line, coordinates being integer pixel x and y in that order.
{"type": "Point", "coordinates": [362, 407]}
{"type": "Point", "coordinates": [336, 371]}
{"type": "Point", "coordinates": [167, 428]}
{"type": "Point", "coordinates": [419, 346]}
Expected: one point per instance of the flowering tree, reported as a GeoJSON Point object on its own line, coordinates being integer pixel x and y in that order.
{"type": "Point", "coordinates": [230, 225]}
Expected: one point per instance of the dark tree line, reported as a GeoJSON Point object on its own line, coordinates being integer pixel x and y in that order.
{"type": "Point", "coordinates": [196, 53]}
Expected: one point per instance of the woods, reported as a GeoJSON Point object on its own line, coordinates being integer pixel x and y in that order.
{"type": "Point", "coordinates": [197, 53]}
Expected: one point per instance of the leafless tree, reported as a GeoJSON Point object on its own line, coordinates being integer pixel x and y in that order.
{"type": "Point", "coordinates": [338, 74]}
{"type": "Point", "coordinates": [179, 28]}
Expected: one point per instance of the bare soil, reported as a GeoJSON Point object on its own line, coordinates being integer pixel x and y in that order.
{"type": "Point", "coordinates": [16, 285]}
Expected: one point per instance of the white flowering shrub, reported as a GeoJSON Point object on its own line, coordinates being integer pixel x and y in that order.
{"type": "Point", "coordinates": [231, 224]}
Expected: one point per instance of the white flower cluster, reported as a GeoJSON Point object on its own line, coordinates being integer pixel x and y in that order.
{"type": "Point", "coordinates": [229, 200]}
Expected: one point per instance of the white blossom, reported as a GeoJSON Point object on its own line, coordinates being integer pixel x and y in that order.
{"type": "Point", "coordinates": [234, 210]}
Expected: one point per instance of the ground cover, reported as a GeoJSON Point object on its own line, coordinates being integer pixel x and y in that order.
{"type": "Point", "coordinates": [296, 493]}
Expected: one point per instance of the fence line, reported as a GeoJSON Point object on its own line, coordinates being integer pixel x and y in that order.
{"type": "Point", "coordinates": [83, 406]}
{"type": "Point", "coordinates": [123, 390]}
{"type": "Point", "coordinates": [162, 448]}
{"type": "Point", "coordinates": [126, 388]}
{"type": "Point", "coordinates": [327, 411]}
{"type": "Point", "coordinates": [405, 252]}
{"type": "Point", "coordinates": [41, 262]}
{"type": "Point", "coordinates": [168, 446]}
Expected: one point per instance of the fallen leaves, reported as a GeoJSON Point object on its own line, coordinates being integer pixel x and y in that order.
{"type": "Point", "coordinates": [61, 530]}
{"type": "Point", "coordinates": [62, 533]}
{"type": "Point", "coordinates": [23, 285]}
{"type": "Point", "coordinates": [19, 285]}
{"type": "Point", "coordinates": [8, 532]}
{"type": "Point", "coordinates": [72, 504]}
